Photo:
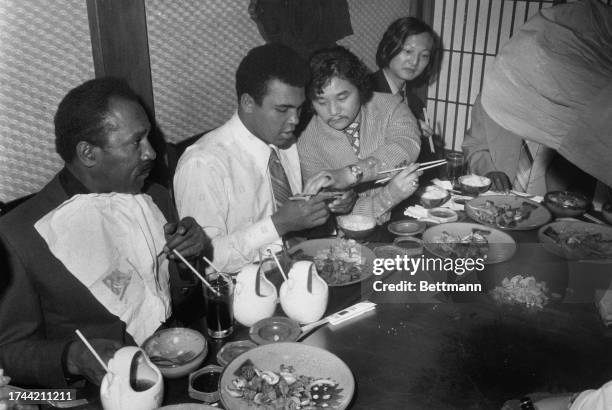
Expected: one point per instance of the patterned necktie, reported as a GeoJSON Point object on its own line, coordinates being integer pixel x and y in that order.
{"type": "Point", "coordinates": [525, 165]}
{"type": "Point", "coordinates": [352, 132]}
{"type": "Point", "coordinates": [280, 184]}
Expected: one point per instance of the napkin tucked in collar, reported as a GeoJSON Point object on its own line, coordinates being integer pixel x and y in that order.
{"type": "Point", "coordinates": [110, 243]}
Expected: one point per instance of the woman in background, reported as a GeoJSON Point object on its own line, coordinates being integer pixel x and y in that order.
{"type": "Point", "coordinates": [407, 57]}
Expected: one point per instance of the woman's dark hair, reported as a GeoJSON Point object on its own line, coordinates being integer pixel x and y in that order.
{"type": "Point", "coordinates": [83, 114]}
{"type": "Point", "coordinates": [393, 41]}
{"type": "Point", "coordinates": [269, 62]}
{"type": "Point", "coordinates": [339, 62]}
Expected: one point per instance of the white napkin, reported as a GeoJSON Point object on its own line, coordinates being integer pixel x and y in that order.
{"type": "Point", "coordinates": [111, 243]}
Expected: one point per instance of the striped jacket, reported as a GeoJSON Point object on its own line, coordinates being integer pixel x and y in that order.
{"type": "Point", "coordinates": [388, 131]}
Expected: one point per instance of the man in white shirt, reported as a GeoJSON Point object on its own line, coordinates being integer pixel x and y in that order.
{"type": "Point", "coordinates": [226, 180]}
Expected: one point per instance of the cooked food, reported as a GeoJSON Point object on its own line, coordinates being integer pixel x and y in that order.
{"type": "Point", "coordinates": [356, 222]}
{"type": "Point", "coordinates": [474, 245]}
{"type": "Point", "coordinates": [521, 290]}
{"type": "Point", "coordinates": [341, 262]}
{"type": "Point", "coordinates": [283, 389]}
{"type": "Point", "coordinates": [434, 192]}
{"type": "Point", "coordinates": [505, 215]}
{"type": "Point", "coordinates": [475, 180]}
{"type": "Point", "coordinates": [567, 200]}
{"type": "Point", "coordinates": [580, 242]}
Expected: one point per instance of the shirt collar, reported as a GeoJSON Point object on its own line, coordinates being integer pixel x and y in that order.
{"type": "Point", "coordinates": [394, 88]}
{"type": "Point", "coordinates": [258, 150]}
{"type": "Point", "coordinates": [71, 185]}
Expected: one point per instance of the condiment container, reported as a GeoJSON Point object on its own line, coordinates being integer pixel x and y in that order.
{"type": "Point", "coordinates": [204, 383]}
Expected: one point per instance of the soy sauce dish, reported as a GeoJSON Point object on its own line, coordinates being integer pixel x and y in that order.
{"type": "Point", "coordinates": [204, 383]}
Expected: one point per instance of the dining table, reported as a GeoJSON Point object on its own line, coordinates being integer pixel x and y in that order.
{"type": "Point", "coordinates": [439, 349]}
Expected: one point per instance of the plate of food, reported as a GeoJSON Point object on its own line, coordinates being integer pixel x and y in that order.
{"type": "Point", "coordinates": [340, 262]}
{"type": "Point", "coordinates": [509, 212]}
{"type": "Point", "coordinates": [469, 240]}
{"type": "Point", "coordinates": [577, 240]}
{"type": "Point", "coordinates": [287, 376]}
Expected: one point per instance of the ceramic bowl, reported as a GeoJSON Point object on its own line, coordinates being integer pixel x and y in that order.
{"type": "Point", "coordinates": [231, 350]}
{"type": "Point", "coordinates": [406, 227]}
{"type": "Point", "coordinates": [356, 226]}
{"type": "Point", "coordinates": [176, 351]}
{"type": "Point", "coordinates": [565, 204]}
{"type": "Point", "coordinates": [204, 383]}
{"type": "Point", "coordinates": [433, 196]}
{"type": "Point", "coordinates": [474, 184]}
{"type": "Point", "coordinates": [409, 246]}
{"type": "Point", "coordinates": [275, 330]}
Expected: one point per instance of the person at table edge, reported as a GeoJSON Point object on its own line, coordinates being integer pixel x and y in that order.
{"type": "Point", "coordinates": [102, 134]}
{"type": "Point", "coordinates": [355, 133]}
{"type": "Point", "coordinates": [225, 180]}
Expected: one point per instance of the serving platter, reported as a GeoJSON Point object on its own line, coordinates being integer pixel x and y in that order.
{"type": "Point", "coordinates": [306, 360]}
{"type": "Point", "coordinates": [499, 245]}
{"type": "Point", "coordinates": [308, 250]}
{"type": "Point", "coordinates": [484, 208]}
{"type": "Point", "coordinates": [576, 240]}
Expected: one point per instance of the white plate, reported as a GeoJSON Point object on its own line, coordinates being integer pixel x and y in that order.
{"type": "Point", "coordinates": [575, 252]}
{"type": "Point", "coordinates": [306, 360]}
{"type": "Point", "coordinates": [312, 247]}
{"type": "Point", "coordinates": [501, 245]}
{"type": "Point", "coordinates": [538, 217]}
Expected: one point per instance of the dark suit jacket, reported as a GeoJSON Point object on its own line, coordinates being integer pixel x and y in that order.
{"type": "Point", "coordinates": [381, 85]}
{"type": "Point", "coordinates": [42, 303]}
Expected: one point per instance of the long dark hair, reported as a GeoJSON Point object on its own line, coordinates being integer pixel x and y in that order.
{"type": "Point", "coordinates": [393, 40]}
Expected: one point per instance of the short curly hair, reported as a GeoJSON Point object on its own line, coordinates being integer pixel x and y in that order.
{"type": "Point", "coordinates": [83, 114]}
{"type": "Point", "coordinates": [393, 41]}
{"type": "Point", "coordinates": [338, 61]}
{"type": "Point", "coordinates": [269, 62]}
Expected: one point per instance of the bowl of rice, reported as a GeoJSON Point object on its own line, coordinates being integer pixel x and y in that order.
{"type": "Point", "coordinates": [356, 226]}
{"type": "Point", "coordinates": [474, 184]}
{"type": "Point", "coordinates": [433, 196]}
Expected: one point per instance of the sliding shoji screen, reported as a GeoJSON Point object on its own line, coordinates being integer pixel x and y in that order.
{"type": "Point", "coordinates": [472, 32]}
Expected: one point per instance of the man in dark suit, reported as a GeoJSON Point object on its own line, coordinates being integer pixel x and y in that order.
{"type": "Point", "coordinates": [102, 135]}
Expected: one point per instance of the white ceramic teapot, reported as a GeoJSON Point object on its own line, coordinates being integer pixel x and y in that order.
{"type": "Point", "coordinates": [304, 294]}
{"type": "Point", "coordinates": [132, 383]}
{"type": "Point", "coordinates": [255, 297]}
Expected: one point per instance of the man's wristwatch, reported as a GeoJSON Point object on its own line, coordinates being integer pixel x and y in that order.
{"type": "Point", "coordinates": [357, 173]}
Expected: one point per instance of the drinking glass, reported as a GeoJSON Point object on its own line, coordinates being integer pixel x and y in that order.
{"type": "Point", "coordinates": [455, 166]}
{"type": "Point", "coordinates": [219, 307]}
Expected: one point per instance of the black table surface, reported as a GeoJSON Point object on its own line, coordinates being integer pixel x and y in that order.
{"type": "Point", "coordinates": [463, 350]}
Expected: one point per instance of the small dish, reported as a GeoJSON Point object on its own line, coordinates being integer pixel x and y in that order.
{"type": "Point", "coordinates": [231, 350]}
{"type": "Point", "coordinates": [443, 215]}
{"type": "Point", "coordinates": [176, 351]}
{"type": "Point", "coordinates": [406, 227]}
{"type": "Point", "coordinates": [204, 383]}
{"type": "Point", "coordinates": [409, 246]}
{"type": "Point", "coordinates": [274, 330]}
{"type": "Point", "coordinates": [564, 204]}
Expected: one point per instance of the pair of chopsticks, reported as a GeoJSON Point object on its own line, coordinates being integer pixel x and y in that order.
{"type": "Point", "coordinates": [422, 167]}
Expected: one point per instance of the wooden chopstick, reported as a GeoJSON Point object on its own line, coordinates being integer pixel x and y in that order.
{"type": "Point", "coordinates": [421, 166]}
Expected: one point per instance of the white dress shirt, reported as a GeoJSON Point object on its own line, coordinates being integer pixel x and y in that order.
{"type": "Point", "coordinates": [223, 182]}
